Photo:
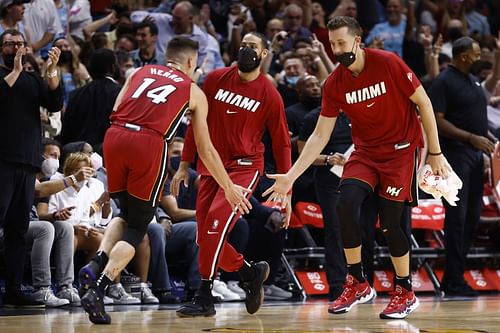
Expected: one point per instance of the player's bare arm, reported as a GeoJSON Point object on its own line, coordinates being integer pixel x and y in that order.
{"type": "Point", "coordinates": [436, 160]}
{"type": "Point", "coordinates": [235, 194]}
{"type": "Point", "coordinates": [181, 176]}
{"type": "Point", "coordinates": [313, 147]}
{"type": "Point", "coordinates": [124, 89]}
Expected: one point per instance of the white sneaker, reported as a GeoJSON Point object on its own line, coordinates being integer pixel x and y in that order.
{"type": "Point", "coordinates": [69, 293]}
{"type": "Point", "coordinates": [107, 300]}
{"type": "Point", "coordinates": [120, 296]}
{"type": "Point", "coordinates": [147, 296]}
{"type": "Point", "coordinates": [220, 287]}
{"type": "Point", "coordinates": [273, 292]}
{"type": "Point", "coordinates": [47, 297]}
{"type": "Point", "coordinates": [235, 288]}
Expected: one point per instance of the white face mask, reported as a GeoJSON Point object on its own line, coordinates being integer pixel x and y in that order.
{"type": "Point", "coordinates": [50, 166]}
{"type": "Point", "coordinates": [96, 160]}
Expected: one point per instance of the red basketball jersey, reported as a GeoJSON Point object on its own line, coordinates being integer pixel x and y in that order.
{"type": "Point", "coordinates": [157, 97]}
{"type": "Point", "coordinates": [377, 102]}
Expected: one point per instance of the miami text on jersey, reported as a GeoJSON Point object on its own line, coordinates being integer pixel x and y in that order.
{"type": "Point", "coordinates": [237, 100]}
{"type": "Point", "coordinates": [367, 93]}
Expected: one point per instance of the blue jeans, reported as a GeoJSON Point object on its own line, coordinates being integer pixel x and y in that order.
{"type": "Point", "coordinates": [180, 248]}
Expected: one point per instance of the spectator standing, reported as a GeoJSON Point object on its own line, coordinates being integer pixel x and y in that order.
{"type": "Point", "coordinates": [21, 95]}
{"type": "Point", "coordinates": [146, 35]}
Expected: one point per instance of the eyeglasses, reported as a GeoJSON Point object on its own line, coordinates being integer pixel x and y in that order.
{"type": "Point", "coordinates": [12, 44]}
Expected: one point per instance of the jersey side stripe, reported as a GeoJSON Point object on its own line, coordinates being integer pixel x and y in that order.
{"type": "Point", "coordinates": [172, 128]}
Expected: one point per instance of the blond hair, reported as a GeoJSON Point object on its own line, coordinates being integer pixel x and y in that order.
{"type": "Point", "coordinates": [72, 161]}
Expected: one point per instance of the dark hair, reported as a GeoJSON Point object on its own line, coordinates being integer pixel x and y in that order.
{"type": "Point", "coordinates": [153, 28]}
{"type": "Point", "coordinates": [130, 38]}
{"type": "Point", "coordinates": [179, 45]}
{"type": "Point", "coordinates": [352, 25]}
{"type": "Point", "coordinates": [50, 142]}
{"type": "Point", "coordinates": [32, 61]}
{"type": "Point", "coordinates": [443, 58]}
{"type": "Point", "coordinates": [263, 39]}
{"type": "Point", "coordinates": [461, 45]}
{"type": "Point", "coordinates": [99, 40]}
{"type": "Point", "coordinates": [480, 65]}
{"type": "Point", "coordinates": [12, 32]}
{"type": "Point", "coordinates": [102, 63]}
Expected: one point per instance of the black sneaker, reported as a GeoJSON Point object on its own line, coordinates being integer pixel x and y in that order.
{"type": "Point", "coordinates": [16, 299]}
{"type": "Point", "coordinates": [87, 276]}
{"type": "Point", "coordinates": [254, 288]}
{"type": "Point", "coordinates": [166, 297]}
{"type": "Point", "coordinates": [201, 306]}
{"type": "Point", "coordinates": [93, 304]}
{"type": "Point", "coordinates": [461, 290]}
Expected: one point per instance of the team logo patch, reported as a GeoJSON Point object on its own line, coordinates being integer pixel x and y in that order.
{"type": "Point", "coordinates": [393, 191]}
{"type": "Point", "coordinates": [215, 224]}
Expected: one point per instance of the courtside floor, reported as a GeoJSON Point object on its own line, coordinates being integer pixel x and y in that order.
{"type": "Point", "coordinates": [473, 315]}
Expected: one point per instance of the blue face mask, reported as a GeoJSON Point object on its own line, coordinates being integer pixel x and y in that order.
{"type": "Point", "coordinates": [292, 80]}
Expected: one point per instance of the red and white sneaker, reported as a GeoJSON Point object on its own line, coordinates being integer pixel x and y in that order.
{"type": "Point", "coordinates": [354, 293]}
{"type": "Point", "coordinates": [402, 303]}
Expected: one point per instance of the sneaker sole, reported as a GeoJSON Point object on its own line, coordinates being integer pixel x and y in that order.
{"type": "Point", "coordinates": [343, 310]}
{"type": "Point", "coordinates": [412, 308]}
{"type": "Point", "coordinates": [183, 315]}
{"type": "Point", "coordinates": [368, 297]}
{"type": "Point", "coordinates": [90, 308]}
{"type": "Point", "coordinates": [85, 279]}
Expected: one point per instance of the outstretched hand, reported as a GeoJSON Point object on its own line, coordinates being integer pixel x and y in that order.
{"type": "Point", "coordinates": [236, 196]}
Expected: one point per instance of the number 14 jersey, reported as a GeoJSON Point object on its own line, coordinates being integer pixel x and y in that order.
{"type": "Point", "coordinates": [156, 98]}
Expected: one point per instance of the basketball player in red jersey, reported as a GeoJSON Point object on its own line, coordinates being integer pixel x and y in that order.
{"type": "Point", "coordinates": [242, 103]}
{"type": "Point", "coordinates": [147, 112]}
{"type": "Point", "coordinates": [379, 93]}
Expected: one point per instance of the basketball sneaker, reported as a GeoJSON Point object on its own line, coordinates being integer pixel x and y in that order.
{"type": "Point", "coordinates": [87, 276]}
{"type": "Point", "coordinates": [93, 304]}
{"type": "Point", "coordinates": [402, 303]}
{"type": "Point", "coordinates": [354, 293]}
{"type": "Point", "coordinates": [201, 306]}
{"type": "Point", "coordinates": [254, 289]}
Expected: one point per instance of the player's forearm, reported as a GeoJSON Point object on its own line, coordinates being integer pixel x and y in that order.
{"type": "Point", "coordinates": [312, 149]}
{"type": "Point", "coordinates": [213, 163]}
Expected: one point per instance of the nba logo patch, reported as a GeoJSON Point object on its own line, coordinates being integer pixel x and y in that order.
{"type": "Point", "coordinates": [215, 224]}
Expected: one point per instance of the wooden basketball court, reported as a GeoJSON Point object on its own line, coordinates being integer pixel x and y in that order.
{"type": "Point", "coordinates": [475, 315]}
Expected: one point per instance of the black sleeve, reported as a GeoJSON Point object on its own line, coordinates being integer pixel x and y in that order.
{"type": "Point", "coordinates": [52, 100]}
{"type": "Point", "coordinates": [308, 125]}
{"type": "Point", "coordinates": [437, 95]}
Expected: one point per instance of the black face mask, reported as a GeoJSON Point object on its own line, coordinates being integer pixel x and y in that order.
{"type": "Point", "coordinates": [310, 102]}
{"type": "Point", "coordinates": [248, 60]}
{"type": "Point", "coordinates": [174, 162]}
{"type": "Point", "coordinates": [454, 33]}
{"type": "Point", "coordinates": [8, 60]}
{"type": "Point", "coordinates": [347, 58]}
{"type": "Point", "coordinates": [65, 57]}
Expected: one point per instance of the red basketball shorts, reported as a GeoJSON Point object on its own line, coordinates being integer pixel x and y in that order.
{"type": "Point", "coordinates": [136, 162]}
{"type": "Point", "coordinates": [394, 173]}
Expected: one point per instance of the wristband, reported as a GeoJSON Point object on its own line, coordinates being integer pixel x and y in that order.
{"type": "Point", "coordinates": [65, 183]}
{"type": "Point", "coordinates": [73, 179]}
{"type": "Point", "coordinates": [434, 154]}
{"type": "Point", "coordinates": [52, 74]}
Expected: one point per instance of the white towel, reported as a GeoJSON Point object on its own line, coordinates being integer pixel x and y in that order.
{"type": "Point", "coordinates": [439, 187]}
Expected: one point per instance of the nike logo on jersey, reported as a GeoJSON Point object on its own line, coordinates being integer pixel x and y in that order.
{"type": "Point", "coordinates": [364, 94]}
{"type": "Point", "coordinates": [238, 100]}
{"type": "Point", "coordinates": [230, 112]}
{"type": "Point", "coordinates": [370, 105]}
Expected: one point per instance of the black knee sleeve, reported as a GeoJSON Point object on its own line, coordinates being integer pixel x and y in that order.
{"type": "Point", "coordinates": [352, 196]}
{"type": "Point", "coordinates": [139, 214]}
{"type": "Point", "coordinates": [390, 213]}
